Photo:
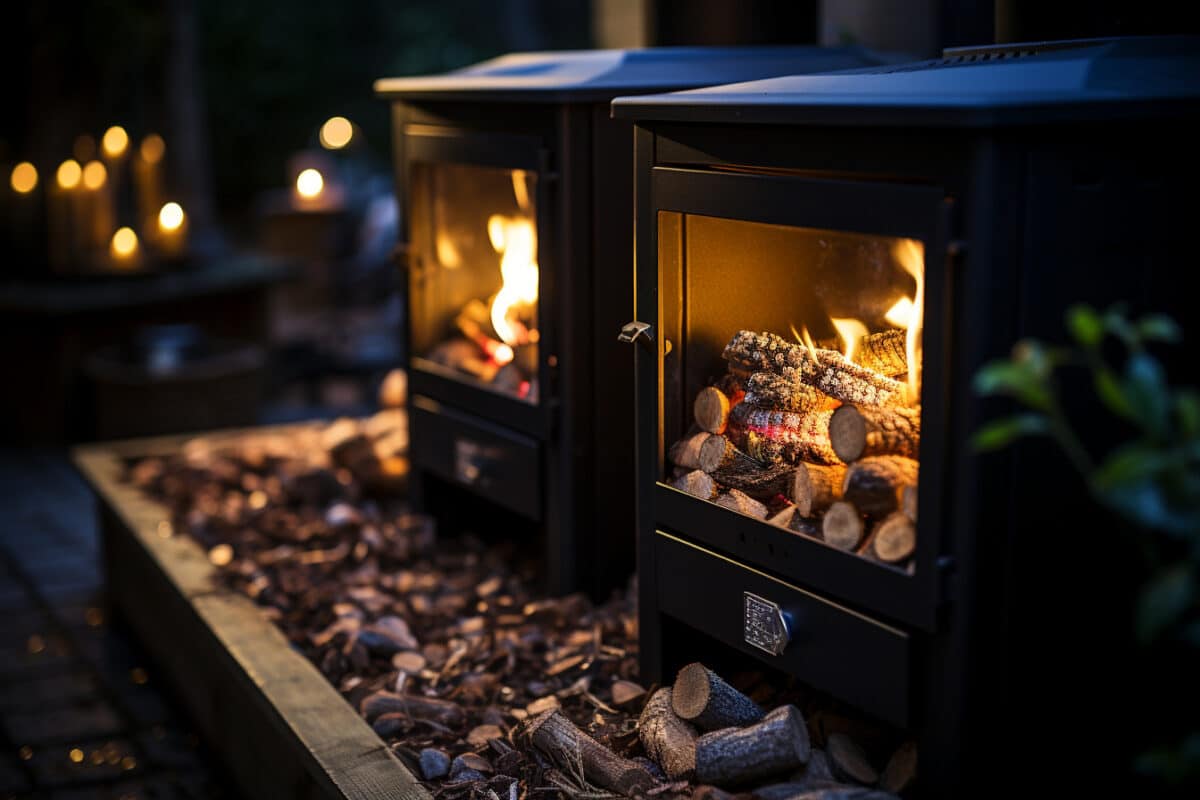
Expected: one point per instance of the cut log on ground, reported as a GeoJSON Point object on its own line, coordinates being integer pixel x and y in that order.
{"type": "Point", "coordinates": [874, 484]}
{"type": "Point", "coordinates": [698, 484]}
{"type": "Point", "coordinates": [711, 409]}
{"type": "Point", "coordinates": [859, 431]}
{"type": "Point", "coordinates": [686, 451]}
{"type": "Point", "coordinates": [668, 739]}
{"type": "Point", "coordinates": [901, 769]}
{"type": "Point", "coordinates": [773, 390]}
{"type": "Point", "coordinates": [848, 761]}
{"type": "Point", "coordinates": [443, 712]}
{"type": "Point", "coordinates": [883, 352]}
{"type": "Point", "coordinates": [701, 697]}
{"type": "Point", "coordinates": [894, 538]}
{"type": "Point", "coordinates": [775, 436]}
{"type": "Point", "coordinates": [842, 526]}
{"type": "Point", "coordinates": [572, 749]}
{"type": "Point", "coordinates": [815, 487]}
{"type": "Point", "coordinates": [815, 771]}
{"type": "Point", "coordinates": [742, 503]}
{"type": "Point", "coordinates": [732, 756]}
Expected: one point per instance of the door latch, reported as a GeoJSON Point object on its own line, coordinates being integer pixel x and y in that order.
{"type": "Point", "coordinates": [636, 332]}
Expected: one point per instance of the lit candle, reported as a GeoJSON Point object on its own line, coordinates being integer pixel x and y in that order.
{"type": "Point", "coordinates": [124, 248]}
{"type": "Point", "coordinates": [310, 184]}
{"type": "Point", "coordinates": [22, 209]}
{"type": "Point", "coordinates": [61, 211]}
{"type": "Point", "coordinates": [114, 152]}
{"type": "Point", "coordinates": [172, 223]}
{"type": "Point", "coordinates": [100, 214]}
{"type": "Point", "coordinates": [147, 178]}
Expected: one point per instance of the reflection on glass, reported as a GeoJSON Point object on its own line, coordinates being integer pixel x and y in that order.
{"type": "Point", "coordinates": [796, 397]}
{"type": "Point", "coordinates": [475, 288]}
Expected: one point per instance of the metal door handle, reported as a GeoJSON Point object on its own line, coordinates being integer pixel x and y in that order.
{"type": "Point", "coordinates": [636, 332]}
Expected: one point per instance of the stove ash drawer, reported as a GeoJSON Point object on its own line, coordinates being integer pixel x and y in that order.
{"type": "Point", "coordinates": [497, 464]}
{"type": "Point", "coordinates": [829, 647]}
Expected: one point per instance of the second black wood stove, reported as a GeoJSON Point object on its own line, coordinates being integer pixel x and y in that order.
{"type": "Point", "coordinates": [823, 263]}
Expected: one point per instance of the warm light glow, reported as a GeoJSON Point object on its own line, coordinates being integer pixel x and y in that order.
{"type": "Point", "coordinates": [69, 173]}
{"type": "Point", "coordinates": [911, 256]}
{"type": "Point", "coordinates": [901, 313]}
{"type": "Point", "coordinates": [94, 175]}
{"type": "Point", "coordinates": [515, 240]}
{"type": "Point", "coordinates": [447, 251]}
{"type": "Point", "coordinates": [124, 243]}
{"type": "Point", "coordinates": [152, 149]}
{"type": "Point", "coordinates": [24, 178]}
{"type": "Point", "coordinates": [115, 141]}
{"type": "Point", "coordinates": [170, 217]}
{"type": "Point", "coordinates": [850, 331]}
{"type": "Point", "coordinates": [336, 133]}
{"type": "Point", "coordinates": [520, 191]}
{"type": "Point", "coordinates": [309, 183]}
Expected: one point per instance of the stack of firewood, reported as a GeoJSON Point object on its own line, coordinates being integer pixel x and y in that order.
{"type": "Point", "coordinates": [812, 441]}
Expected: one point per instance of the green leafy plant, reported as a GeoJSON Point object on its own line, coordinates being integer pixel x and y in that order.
{"type": "Point", "coordinates": [1152, 480]}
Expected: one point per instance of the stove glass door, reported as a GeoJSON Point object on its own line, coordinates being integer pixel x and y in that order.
{"type": "Point", "coordinates": [474, 278]}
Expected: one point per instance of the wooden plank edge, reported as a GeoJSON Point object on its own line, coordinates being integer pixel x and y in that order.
{"type": "Point", "coordinates": [342, 756]}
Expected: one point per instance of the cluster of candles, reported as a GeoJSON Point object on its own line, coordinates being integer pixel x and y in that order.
{"type": "Point", "coordinates": [87, 200]}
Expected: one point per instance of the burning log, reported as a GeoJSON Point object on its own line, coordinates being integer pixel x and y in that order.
{"type": "Point", "coordinates": [851, 383]}
{"type": "Point", "coordinates": [470, 323]}
{"type": "Point", "coordinates": [826, 370]}
{"type": "Point", "coordinates": [842, 526]}
{"type": "Point", "coordinates": [686, 451]}
{"type": "Point", "coordinates": [856, 432]}
{"type": "Point", "coordinates": [698, 484]}
{"type": "Point", "coordinates": [816, 486]}
{"type": "Point", "coordinates": [894, 538]}
{"type": "Point", "coordinates": [742, 503]}
{"type": "Point", "coordinates": [702, 698]}
{"type": "Point", "coordinates": [719, 453]}
{"type": "Point", "coordinates": [873, 484]}
{"type": "Point", "coordinates": [711, 409]}
{"type": "Point", "coordinates": [773, 390]}
{"type": "Point", "coordinates": [668, 739]}
{"type": "Point", "coordinates": [572, 750]}
{"type": "Point", "coordinates": [883, 352]}
{"type": "Point", "coordinates": [848, 760]}
{"type": "Point", "coordinates": [782, 436]}
{"type": "Point", "coordinates": [777, 743]}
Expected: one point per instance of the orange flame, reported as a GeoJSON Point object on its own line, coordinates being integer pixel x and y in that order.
{"type": "Point", "coordinates": [910, 254]}
{"type": "Point", "coordinates": [805, 339]}
{"type": "Point", "coordinates": [850, 331]}
{"type": "Point", "coordinates": [515, 239]}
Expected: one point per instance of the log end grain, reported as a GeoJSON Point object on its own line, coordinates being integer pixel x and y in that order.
{"type": "Point", "coordinates": [842, 526]}
{"type": "Point", "coordinates": [703, 698]}
{"type": "Point", "coordinates": [711, 409]}
{"type": "Point", "coordinates": [895, 538]}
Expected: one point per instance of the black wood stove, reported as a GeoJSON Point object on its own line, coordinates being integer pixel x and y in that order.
{"type": "Point", "coordinates": [517, 191]}
{"type": "Point", "coordinates": [823, 262]}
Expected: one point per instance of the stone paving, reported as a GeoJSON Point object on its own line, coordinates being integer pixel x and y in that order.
{"type": "Point", "coordinates": [82, 714]}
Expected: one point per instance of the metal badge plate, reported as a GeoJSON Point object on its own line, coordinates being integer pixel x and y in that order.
{"type": "Point", "coordinates": [764, 625]}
